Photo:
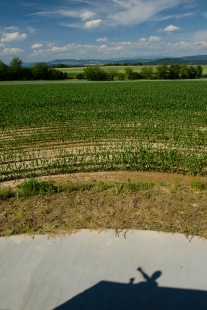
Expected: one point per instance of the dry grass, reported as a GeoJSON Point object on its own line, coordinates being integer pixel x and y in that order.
{"type": "Point", "coordinates": [163, 206]}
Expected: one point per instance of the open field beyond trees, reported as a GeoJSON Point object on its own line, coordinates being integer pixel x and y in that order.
{"type": "Point", "coordinates": [71, 72]}
{"type": "Point", "coordinates": [78, 134]}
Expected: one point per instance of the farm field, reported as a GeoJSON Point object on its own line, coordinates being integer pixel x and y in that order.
{"type": "Point", "coordinates": [73, 71]}
{"type": "Point", "coordinates": [48, 129]}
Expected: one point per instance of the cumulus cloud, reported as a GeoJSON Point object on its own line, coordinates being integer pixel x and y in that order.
{"type": "Point", "coordinates": [143, 40]}
{"type": "Point", "coordinates": [102, 40]}
{"type": "Point", "coordinates": [2, 45]}
{"type": "Point", "coordinates": [93, 24]}
{"type": "Point", "coordinates": [11, 51]}
{"type": "Point", "coordinates": [184, 44]}
{"type": "Point", "coordinates": [170, 28]}
{"type": "Point", "coordinates": [37, 45]}
{"type": "Point", "coordinates": [14, 36]}
{"type": "Point", "coordinates": [87, 15]}
{"type": "Point", "coordinates": [154, 39]}
{"type": "Point", "coordinates": [57, 49]}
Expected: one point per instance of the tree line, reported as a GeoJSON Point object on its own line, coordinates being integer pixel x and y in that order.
{"type": "Point", "coordinates": [40, 71]}
{"type": "Point", "coordinates": [163, 72]}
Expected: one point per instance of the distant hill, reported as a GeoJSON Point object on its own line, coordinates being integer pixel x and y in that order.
{"type": "Point", "coordinates": [149, 60]}
{"type": "Point", "coordinates": [189, 60]}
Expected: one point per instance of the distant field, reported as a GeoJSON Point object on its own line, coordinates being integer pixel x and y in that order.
{"type": "Point", "coordinates": [70, 127]}
{"type": "Point", "coordinates": [72, 71]}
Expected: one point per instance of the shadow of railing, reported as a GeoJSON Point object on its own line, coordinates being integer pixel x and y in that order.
{"type": "Point", "coordinates": [147, 295]}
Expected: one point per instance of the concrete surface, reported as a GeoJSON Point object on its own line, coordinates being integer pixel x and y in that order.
{"type": "Point", "coordinates": [88, 270]}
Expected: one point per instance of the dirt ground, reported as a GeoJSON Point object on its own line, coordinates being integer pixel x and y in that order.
{"type": "Point", "coordinates": [113, 176]}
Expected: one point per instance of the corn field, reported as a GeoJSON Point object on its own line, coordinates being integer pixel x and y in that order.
{"type": "Point", "coordinates": [64, 128]}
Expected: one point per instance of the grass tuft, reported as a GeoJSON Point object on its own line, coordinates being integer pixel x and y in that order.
{"type": "Point", "coordinates": [197, 184]}
{"type": "Point", "coordinates": [5, 193]}
{"type": "Point", "coordinates": [33, 187]}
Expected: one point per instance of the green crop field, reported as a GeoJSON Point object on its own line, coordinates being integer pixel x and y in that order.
{"type": "Point", "coordinates": [68, 127]}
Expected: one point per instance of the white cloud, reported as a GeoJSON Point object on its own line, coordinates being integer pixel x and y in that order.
{"type": "Point", "coordinates": [143, 40]}
{"type": "Point", "coordinates": [50, 44]}
{"type": "Point", "coordinates": [11, 51]}
{"type": "Point", "coordinates": [69, 13]}
{"type": "Point", "coordinates": [84, 15]}
{"type": "Point", "coordinates": [15, 36]}
{"type": "Point", "coordinates": [134, 12]}
{"type": "Point", "coordinates": [171, 28]}
{"type": "Point", "coordinates": [113, 13]}
{"type": "Point", "coordinates": [154, 39]}
{"type": "Point", "coordinates": [175, 16]}
{"type": "Point", "coordinates": [37, 45]}
{"type": "Point", "coordinates": [184, 44]}
{"type": "Point", "coordinates": [2, 45]}
{"type": "Point", "coordinates": [200, 44]}
{"type": "Point", "coordinates": [204, 14]}
{"type": "Point", "coordinates": [11, 28]}
{"type": "Point", "coordinates": [103, 47]}
{"type": "Point", "coordinates": [72, 25]}
{"type": "Point", "coordinates": [200, 35]}
{"type": "Point", "coordinates": [102, 40]}
{"type": "Point", "coordinates": [87, 15]}
{"type": "Point", "coordinates": [57, 49]}
{"type": "Point", "coordinates": [31, 30]}
{"type": "Point", "coordinates": [93, 24]}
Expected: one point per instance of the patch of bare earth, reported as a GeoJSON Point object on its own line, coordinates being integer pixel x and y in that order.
{"type": "Point", "coordinates": [114, 176]}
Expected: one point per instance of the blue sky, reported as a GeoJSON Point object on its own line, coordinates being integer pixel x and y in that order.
{"type": "Point", "coordinates": [40, 30]}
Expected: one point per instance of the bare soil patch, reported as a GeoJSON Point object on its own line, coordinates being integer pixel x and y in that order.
{"type": "Point", "coordinates": [113, 176]}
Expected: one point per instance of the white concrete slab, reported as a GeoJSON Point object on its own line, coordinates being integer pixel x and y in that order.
{"type": "Point", "coordinates": [89, 270]}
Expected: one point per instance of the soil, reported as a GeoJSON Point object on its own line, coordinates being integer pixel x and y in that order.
{"type": "Point", "coordinates": [120, 176]}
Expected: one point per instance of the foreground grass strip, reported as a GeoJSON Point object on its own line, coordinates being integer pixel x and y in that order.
{"type": "Point", "coordinates": [97, 205]}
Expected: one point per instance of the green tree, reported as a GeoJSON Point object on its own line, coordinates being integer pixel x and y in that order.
{"type": "Point", "coordinates": [15, 63]}
{"type": "Point", "coordinates": [184, 74]}
{"type": "Point", "coordinates": [174, 71]}
{"type": "Point", "coordinates": [3, 71]}
{"type": "Point", "coordinates": [162, 71]}
{"type": "Point", "coordinates": [147, 72]}
{"type": "Point", "coordinates": [54, 74]}
{"type": "Point", "coordinates": [199, 70]}
{"type": "Point", "coordinates": [192, 72]}
{"type": "Point", "coordinates": [128, 73]}
{"type": "Point", "coordinates": [120, 76]}
{"type": "Point", "coordinates": [40, 71]}
{"type": "Point", "coordinates": [95, 73]}
{"type": "Point", "coordinates": [111, 73]}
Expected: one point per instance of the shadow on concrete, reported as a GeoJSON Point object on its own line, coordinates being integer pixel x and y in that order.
{"type": "Point", "coordinates": [144, 296]}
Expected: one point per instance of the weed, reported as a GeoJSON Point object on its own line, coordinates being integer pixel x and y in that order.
{"type": "Point", "coordinates": [197, 184]}
{"type": "Point", "coordinates": [73, 187]}
{"type": "Point", "coordinates": [33, 187]}
{"type": "Point", "coordinates": [136, 186]}
{"type": "Point", "coordinates": [5, 193]}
